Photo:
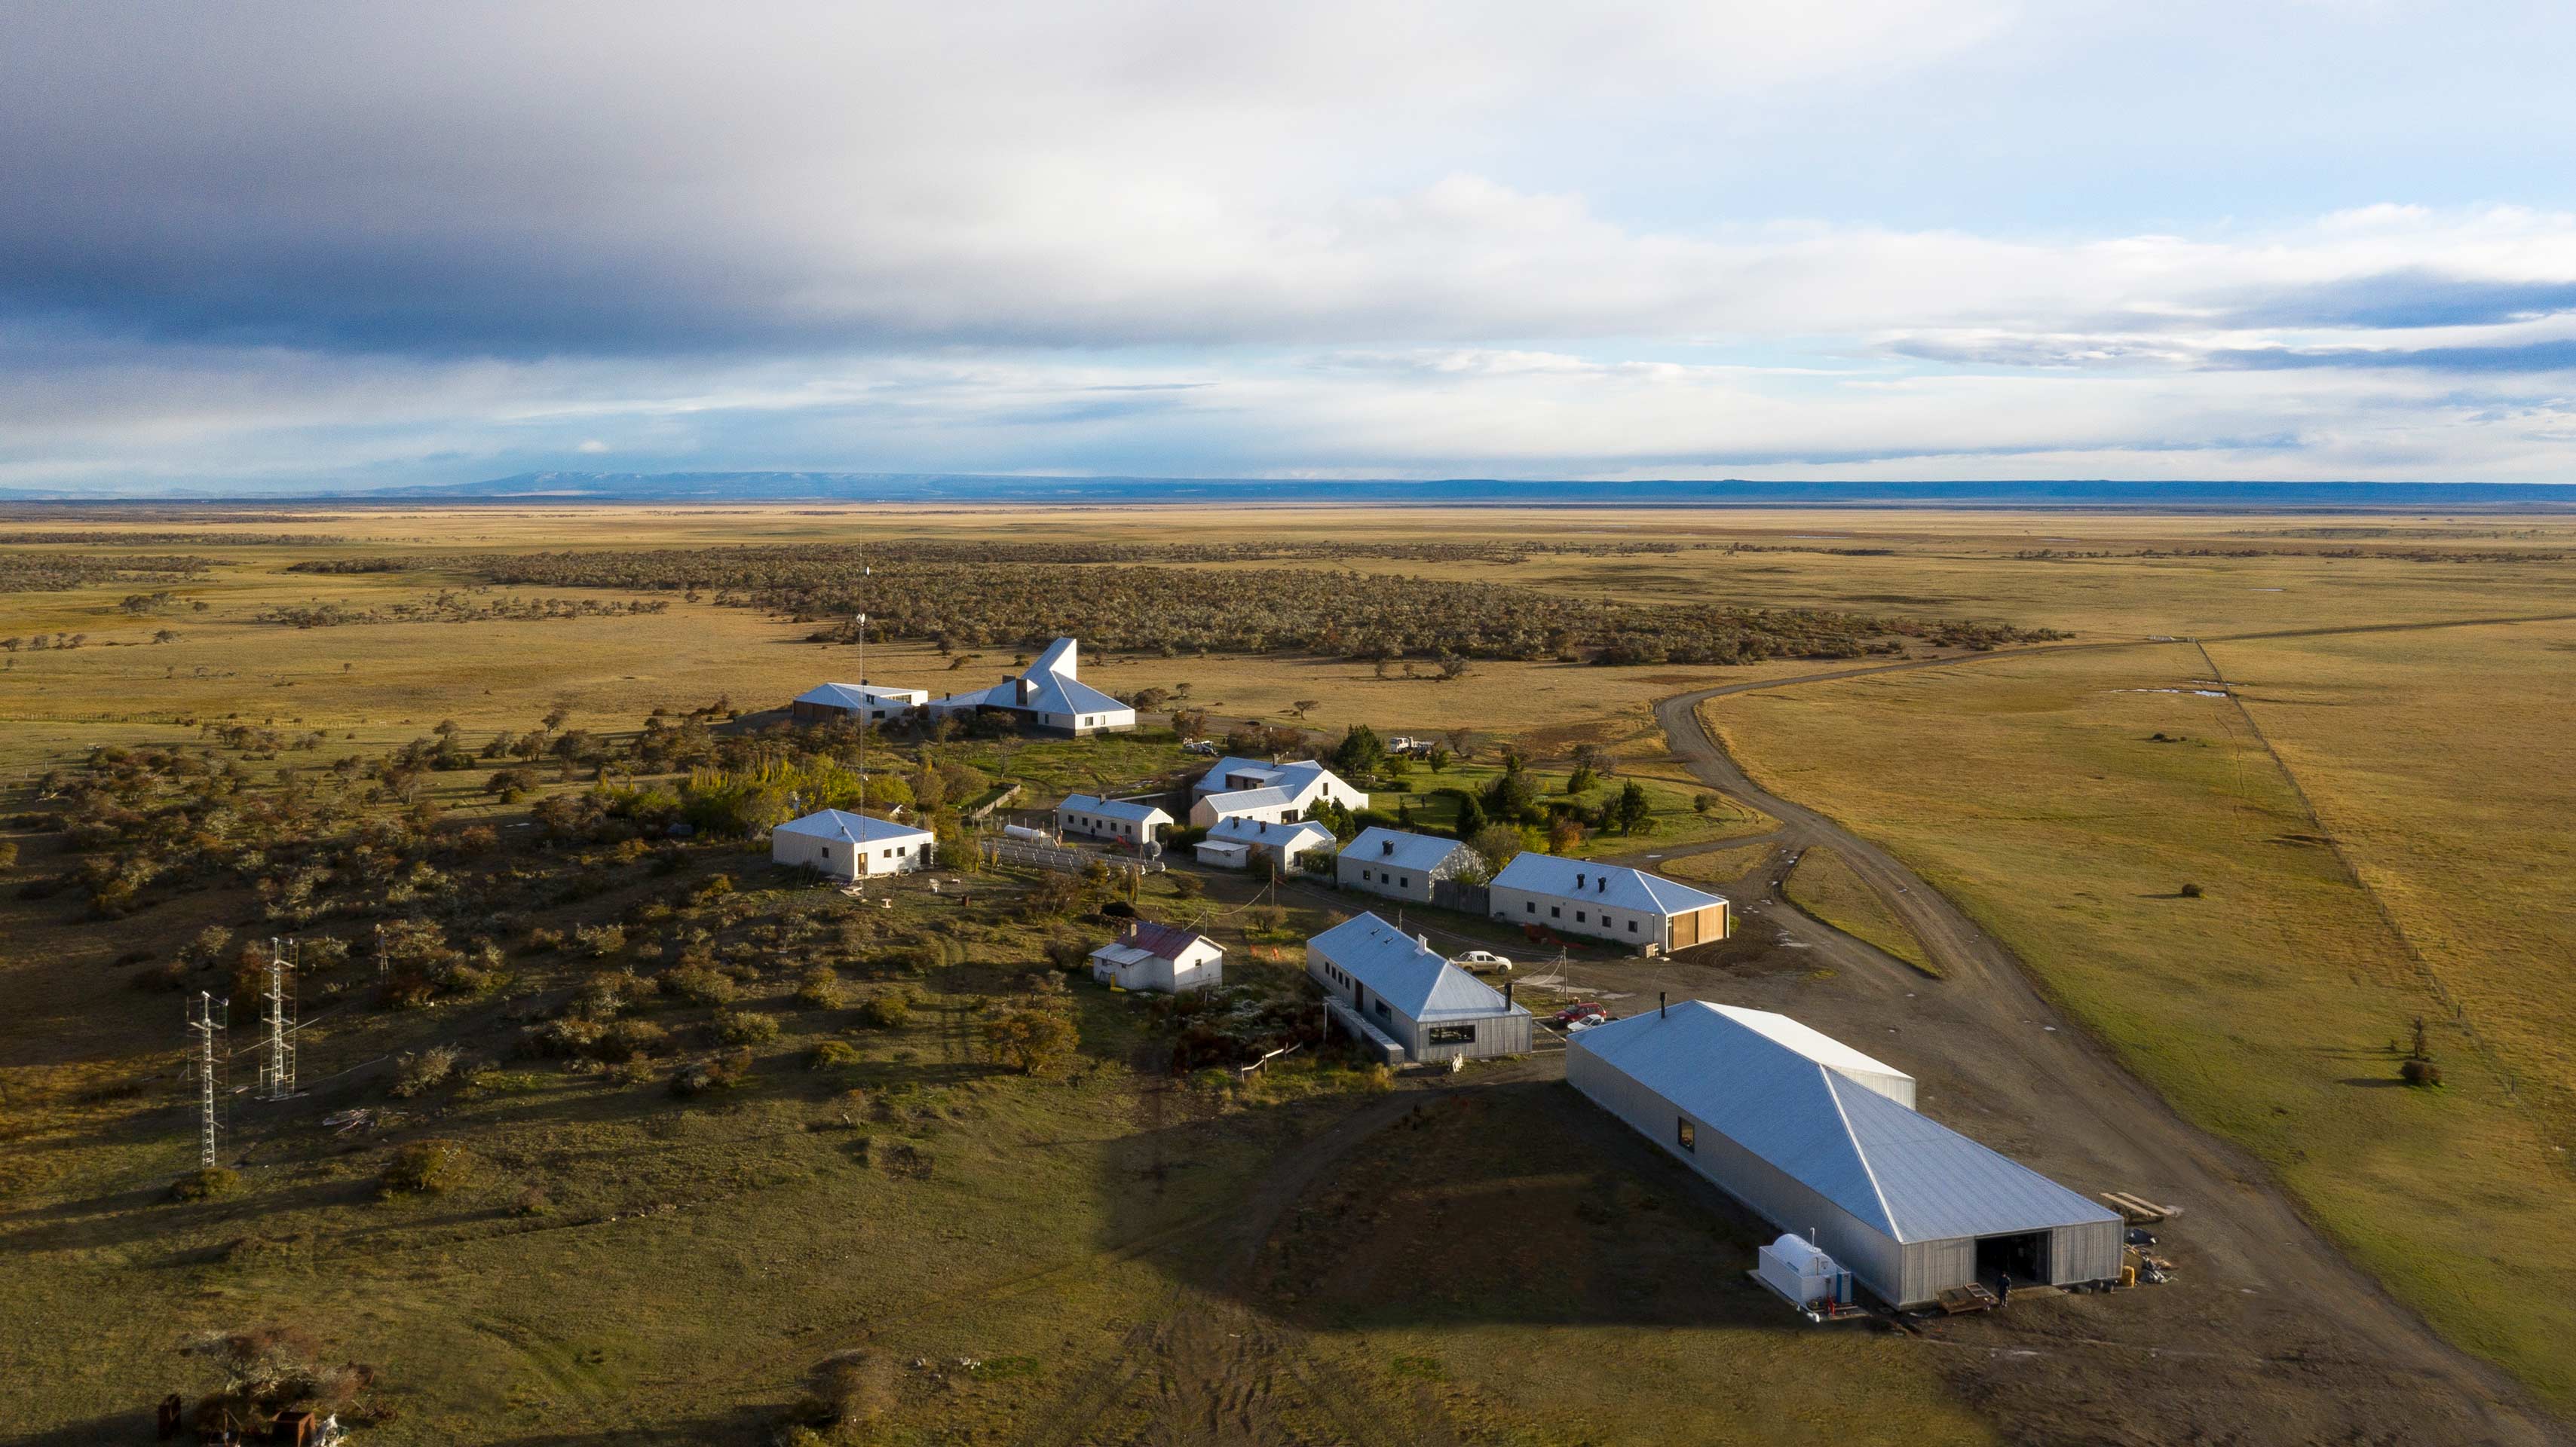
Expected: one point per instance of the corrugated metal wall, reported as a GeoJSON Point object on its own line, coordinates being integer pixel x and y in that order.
{"type": "Point", "coordinates": [2089, 1252]}
{"type": "Point", "coordinates": [1869, 1254]}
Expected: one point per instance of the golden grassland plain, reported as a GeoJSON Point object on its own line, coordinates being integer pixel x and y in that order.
{"type": "Point", "coordinates": [1824, 885]}
{"type": "Point", "coordinates": [2066, 804]}
{"type": "Point", "coordinates": [2027, 788]}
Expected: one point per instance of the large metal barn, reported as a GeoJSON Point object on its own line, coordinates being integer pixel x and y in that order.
{"type": "Point", "coordinates": [1821, 1140]}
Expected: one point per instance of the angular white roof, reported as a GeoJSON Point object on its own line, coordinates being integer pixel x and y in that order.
{"type": "Point", "coordinates": [1814, 1044]}
{"type": "Point", "coordinates": [1408, 973]}
{"type": "Point", "coordinates": [857, 828]}
{"type": "Point", "coordinates": [1401, 849]}
{"type": "Point", "coordinates": [1243, 801]}
{"type": "Point", "coordinates": [1295, 838]}
{"type": "Point", "coordinates": [1127, 809]}
{"type": "Point", "coordinates": [1053, 688]}
{"type": "Point", "coordinates": [1612, 884]}
{"type": "Point", "coordinates": [1298, 778]}
{"type": "Point", "coordinates": [1903, 1174]}
{"type": "Point", "coordinates": [860, 695]}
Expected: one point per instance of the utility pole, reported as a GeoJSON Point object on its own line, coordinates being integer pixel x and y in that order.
{"type": "Point", "coordinates": [867, 708]}
{"type": "Point", "coordinates": [277, 1068]}
{"type": "Point", "coordinates": [208, 1018]}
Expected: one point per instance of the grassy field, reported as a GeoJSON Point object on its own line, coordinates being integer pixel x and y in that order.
{"type": "Point", "coordinates": [2068, 804]}
{"type": "Point", "coordinates": [695, 1256]}
{"type": "Point", "coordinates": [1824, 886]}
{"type": "Point", "coordinates": [1675, 820]}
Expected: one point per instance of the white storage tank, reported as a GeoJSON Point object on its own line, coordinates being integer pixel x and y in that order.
{"type": "Point", "coordinates": [1801, 1274]}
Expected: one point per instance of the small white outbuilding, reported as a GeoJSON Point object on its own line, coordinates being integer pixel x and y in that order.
{"type": "Point", "coordinates": [1159, 957]}
{"type": "Point", "coordinates": [851, 846]}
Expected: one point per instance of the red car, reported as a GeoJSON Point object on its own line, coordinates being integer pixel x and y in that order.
{"type": "Point", "coordinates": [1577, 1011]}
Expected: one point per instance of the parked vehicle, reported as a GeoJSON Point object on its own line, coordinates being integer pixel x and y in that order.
{"type": "Point", "coordinates": [1581, 1010]}
{"type": "Point", "coordinates": [1480, 962]}
{"type": "Point", "coordinates": [1586, 1023]}
{"type": "Point", "coordinates": [1199, 746]}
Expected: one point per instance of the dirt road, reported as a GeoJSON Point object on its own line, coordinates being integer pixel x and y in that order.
{"type": "Point", "coordinates": [2288, 1341]}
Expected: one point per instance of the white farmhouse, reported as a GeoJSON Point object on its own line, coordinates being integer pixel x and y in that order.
{"type": "Point", "coordinates": [1394, 992]}
{"type": "Point", "coordinates": [1159, 957]}
{"type": "Point", "coordinates": [1261, 840]}
{"type": "Point", "coordinates": [1121, 821]}
{"type": "Point", "coordinates": [851, 846]}
{"type": "Point", "coordinates": [1606, 901]}
{"type": "Point", "coordinates": [1250, 789]}
{"type": "Point", "coordinates": [860, 702]}
{"type": "Point", "coordinates": [1400, 865]}
{"type": "Point", "coordinates": [1047, 698]}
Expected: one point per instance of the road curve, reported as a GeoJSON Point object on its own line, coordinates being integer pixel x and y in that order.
{"type": "Point", "coordinates": [2017, 1054]}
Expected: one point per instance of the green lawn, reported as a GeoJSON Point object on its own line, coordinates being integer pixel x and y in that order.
{"type": "Point", "coordinates": [1672, 821]}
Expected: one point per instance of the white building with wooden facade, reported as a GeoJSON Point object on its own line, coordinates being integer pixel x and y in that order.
{"type": "Point", "coordinates": [1606, 901]}
{"type": "Point", "coordinates": [851, 846]}
{"type": "Point", "coordinates": [1397, 995]}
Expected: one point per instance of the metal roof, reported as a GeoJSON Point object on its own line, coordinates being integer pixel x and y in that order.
{"type": "Point", "coordinates": [1148, 940]}
{"type": "Point", "coordinates": [1268, 835]}
{"type": "Point", "coordinates": [1244, 801]}
{"type": "Point", "coordinates": [1053, 688]}
{"type": "Point", "coordinates": [857, 828]}
{"type": "Point", "coordinates": [1612, 884]}
{"type": "Point", "coordinates": [860, 695]}
{"type": "Point", "coordinates": [1425, 852]}
{"type": "Point", "coordinates": [1127, 809]}
{"type": "Point", "coordinates": [1299, 779]}
{"type": "Point", "coordinates": [1814, 1044]}
{"type": "Point", "coordinates": [1409, 974]}
{"type": "Point", "coordinates": [1899, 1172]}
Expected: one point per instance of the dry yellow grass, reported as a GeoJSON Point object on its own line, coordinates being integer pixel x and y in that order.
{"type": "Point", "coordinates": [1824, 885]}
{"type": "Point", "coordinates": [2034, 792]}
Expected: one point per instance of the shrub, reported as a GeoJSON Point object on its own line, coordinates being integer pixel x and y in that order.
{"type": "Point", "coordinates": [532, 1202]}
{"type": "Point", "coordinates": [887, 1010]}
{"type": "Point", "coordinates": [629, 1040]}
{"type": "Point", "coordinates": [834, 1055]}
{"type": "Point", "coordinates": [416, 1073]}
{"type": "Point", "coordinates": [820, 989]}
{"type": "Point", "coordinates": [208, 1183]}
{"type": "Point", "coordinates": [723, 1072]}
{"type": "Point", "coordinates": [542, 939]}
{"type": "Point", "coordinates": [2189, 891]}
{"type": "Point", "coordinates": [430, 1167]}
{"type": "Point", "coordinates": [746, 1027]}
{"type": "Point", "coordinates": [2420, 1072]}
{"type": "Point", "coordinates": [8, 853]}
{"type": "Point", "coordinates": [700, 985]}
{"type": "Point", "coordinates": [1032, 1039]}
{"type": "Point", "coordinates": [601, 942]}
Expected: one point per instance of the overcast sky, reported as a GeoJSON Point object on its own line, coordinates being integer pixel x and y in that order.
{"type": "Point", "coordinates": [253, 246]}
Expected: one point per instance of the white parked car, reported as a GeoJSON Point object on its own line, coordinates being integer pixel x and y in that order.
{"type": "Point", "coordinates": [1480, 961]}
{"type": "Point", "coordinates": [1198, 746]}
{"type": "Point", "coordinates": [1588, 1022]}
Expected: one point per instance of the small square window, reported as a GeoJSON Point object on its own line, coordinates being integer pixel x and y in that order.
{"type": "Point", "coordinates": [1579, 919]}
{"type": "Point", "coordinates": [1555, 913]}
{"type": "Point", "coordinates": [1632, 926]}
{"type": "Point", "coordinates": [1530, 905]}
{"type": "Point", "coordinates": [1689, 1139]}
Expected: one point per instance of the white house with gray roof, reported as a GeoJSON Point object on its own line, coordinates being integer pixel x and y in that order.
{"type": "Point", "coordinates": [1402, 865]}
{"type": "Point", "coordinates": [861, 702]}
{"type": "Point", "coordinates": [1120, 821]}
{"type": "Point", "coordinates": [851, 846]}
{"type": "Point", "coordinates": [1048, 697]}
{"type": "Point", "coordinates": [1248, 788]}
{"type": "Point", "coordinates": [1605, 901]}
{"type": "Point", "coordinates": [1398, 995]}
{"type": "Point", "coordinates": [1263, 842]}
{"type": "Point", "coordinates": [1819, 1139]}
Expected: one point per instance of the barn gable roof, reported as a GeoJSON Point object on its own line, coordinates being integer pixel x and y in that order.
{"type": "Point", "coordinates": [1900, 1172]}
{"type": "Point", "coordinates": [1611, 884]}
{"type": "Point", "coordinates": [1424, 852]}
{"type": "Point", "coordinates": [1409, 974]}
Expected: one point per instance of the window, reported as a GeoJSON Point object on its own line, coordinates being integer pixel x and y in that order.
{"type": "Point", "coordinates": [1555, 913]}
{"type": "Point", "coordinates": [1453, 1035]}
{"type": "Point", "coordinates": [1530, 905]}
{"type": "Point", "coordinates": [1382, 1011]}
{"type": "Point", "coordinates": [1405, 882]}
{"type": "Point", "coordinates": [1682, 1130]}
{"type": "Point", "coordinates": [1578, 917]}
{"type": "Point", "coordinates": [1632, 926]}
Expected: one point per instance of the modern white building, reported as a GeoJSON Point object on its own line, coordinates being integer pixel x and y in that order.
{"type": "Point", "coordinates": [1265, 842]}
{"type": "Point", "coordinates": [1159, 957]}
{"type": "Point", "coordinates": [1395, 993]}
{"type": "Point", "coordinates": [1605, 901]}
{"type": "Point", "coordinates": [1048, 697]}
{"type": "Point", "coordinates": [861, 702]}
{"type": "Point", "coordinates": [1819, 1139]}
{"type": "Point", "coordinates": [1122, 821]}
{"type": "Point", "coordinates": [1251, 789]}
{"type": "Point", "coordinates": [851, 846]}
{"type": "Point", "coordinates": [1402, 865]}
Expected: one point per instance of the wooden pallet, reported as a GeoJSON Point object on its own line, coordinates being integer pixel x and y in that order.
{"type": "Point", "coordinates": [1971, 1297]}
{"type": "Point", "coordinates": [2138, 1210]}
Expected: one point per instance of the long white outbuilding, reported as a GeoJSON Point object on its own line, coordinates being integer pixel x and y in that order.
{"type": "Point", "coordinates": [1819, 1139]}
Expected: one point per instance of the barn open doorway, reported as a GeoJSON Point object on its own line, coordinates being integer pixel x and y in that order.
{"type": "Point", "coordinates": [2024, 1258]}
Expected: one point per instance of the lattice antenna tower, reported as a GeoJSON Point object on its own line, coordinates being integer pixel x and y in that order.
{"type": "Point", "coordinates": [277, 1057]}
{"type": "Point", "coordinates": [208, 1020]}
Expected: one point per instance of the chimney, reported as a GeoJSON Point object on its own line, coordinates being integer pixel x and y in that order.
{"type": "Point", "coordinates": [1507, 996]}
{"type": "Point", "coordinates": [1659, 1004]}
{"type": "Point", "coordinates": [1386, 846]}
{"type": "Point", "coordinates": [1578, 879]}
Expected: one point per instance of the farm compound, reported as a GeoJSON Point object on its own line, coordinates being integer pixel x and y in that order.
{"type": "Point", "coordinates": [1397, 995]}
{"type": "Point", "coordinates": [1819, 1139]}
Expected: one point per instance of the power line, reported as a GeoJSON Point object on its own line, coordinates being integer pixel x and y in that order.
{"type": "Point", "coordinates": [209, 1019]}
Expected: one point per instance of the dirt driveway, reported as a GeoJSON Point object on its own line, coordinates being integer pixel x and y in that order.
{"type": "Point", "coordinates": [2270, 1335]}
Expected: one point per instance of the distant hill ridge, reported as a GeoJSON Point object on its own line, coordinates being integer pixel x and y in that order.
{"type": "Point", "coordinates": [773, 487]}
